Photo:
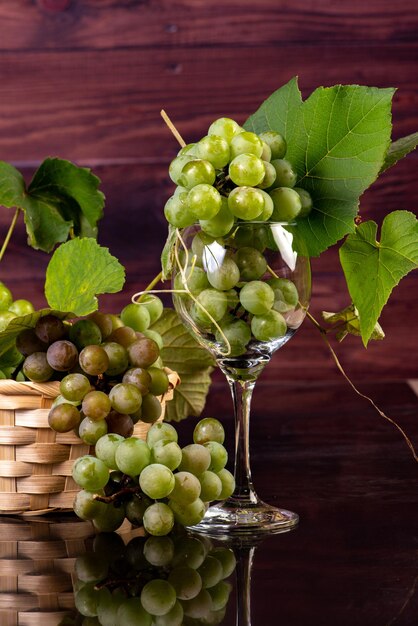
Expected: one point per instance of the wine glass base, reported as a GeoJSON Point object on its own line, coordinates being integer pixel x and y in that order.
{"type": "Point", "coordinates": [232, 517]}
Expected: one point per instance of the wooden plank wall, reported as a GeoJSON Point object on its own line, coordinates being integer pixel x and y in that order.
{"type": "Point", "coordinates": [86, 79]}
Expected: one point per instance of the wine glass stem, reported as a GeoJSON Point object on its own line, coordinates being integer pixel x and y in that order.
{"type": "Point", "coordinates": [245, 558]}
{"type": "Point", "coordinates": [242, 391]}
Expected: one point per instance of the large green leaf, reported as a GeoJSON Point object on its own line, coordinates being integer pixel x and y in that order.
{"type": "Point", "coordinates": [61, 198]}
{"type": "Point", "coordinates": [400, 149]}
{"type": "Point", "coordinates": [373, 268]}
{"type": "Point", "coordinates": [77, 271]}
{"type": "Point", "coordinates": [191, 361]}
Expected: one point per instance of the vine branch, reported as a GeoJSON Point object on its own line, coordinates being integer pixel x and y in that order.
{"type": "Point", "coordinates": [9, 234]}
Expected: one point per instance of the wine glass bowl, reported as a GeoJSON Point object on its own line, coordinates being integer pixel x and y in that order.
{"type": "Point", "coordinates": [242, 296]}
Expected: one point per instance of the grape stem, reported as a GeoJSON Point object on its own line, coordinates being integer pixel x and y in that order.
{"type": "Point", "coordinates": [172, 128]}
{"type": "Point", "coordinates": [9, 234]}
{"type": "Point", "coordinates": [323, 332]}
{"type": "Point", "coordinates": [150, 286]}
{"type": "Point", "coordinates": [115, 496]}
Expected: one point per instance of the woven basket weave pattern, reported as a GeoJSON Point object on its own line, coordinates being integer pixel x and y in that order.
{"type": "Point", "coordinates": [35, 461]}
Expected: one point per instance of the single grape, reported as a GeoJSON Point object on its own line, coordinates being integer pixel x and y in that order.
{"type": "Point", "coordinates": [27, 342]}
{"type": "Point", "coordinates": [151, 409]}
{"type": "Point", "coordinates": [93, 360]}
{"type": "Point", "coordinates": [246, 203]}
{"type": "Point", "coordinates": [215, 149]}
{"type": "Point", "coordinates": [143, 352]}
{"type": "Point", "coordinates": [86, 600]}
{"type": "Point", "coordinates": [106, 447]}
{"type": "Point", "coordinates": [195, 459]}
{"type": "Point", "coordinates": [36, 367]}
{"type": "Point", "coordinates": [266, 154]}
{"type": "Point", "coordinates": [62, 355]}
{"type": "Point", "coordinates": [189, 551]}
{"type": "Point", "coordinates": [211, 572]}
{"type": "Point", "coordinates": [84, 333]}
{"type": "Point", "coordinates": [136, 316]}
{"type": "Point", "coordinates": [158, 519]}
{"type": "Point", "coordinates": [188, 514]}
{"type": "Point", "coordinates": [186, 488]}
{"type": "Point", "coordinates": [85, 505]}
{"type": "Point", "coordinates": [152, 334]}
{"type": "Point", "coordinates": [173, 618]}
{"type": "Point", "coordinates": [91, 568]}
{"type": "Point", "coordinates": [90, 473]}
{"type": "Point", "coordinates": [118, 358]}
{"type": "Point", "coordinates": [269, 326]}
{"type": "Point", "coordinates": [167, 453]}
{"type": "Point", "coordinates": [306, 200]}
{"type": "Point", "coordinates": [221, 223]}
{"type": "Point", "coordinates": [158, 597]}
{"type": "Point", "coordinates": [210, 302]}
{"type": "Point", "coordinates": [225, 127]}
{"type": "Point", "coordinates": [132, 456]}
{"type": "Point", "coordinates": [154, 306]}
{"type": "Point", "coordinates": [120, 424]}
{"type": "Point", "coordinates": [90, 431]}
{"type": "Point", "coordinates": [269, 176]}
{"type": "Point", "coordinates": [6, 297]}
{"type": "Point", "coordinates": [253, 236]}
{"type": "Point", "coordinates": [197, 172]}
{"type": "Point", "coordinates": [196, 281]}
{"type": "Point", "coordinates": [200, 242]}
{"type": "Point", "coordinates": [257, 297]}
{"type": "Point", "coordinates": [103, 321]}
{"type": "Point", "coordinates": [49, 329]}
{"type": "Point", "coordinates": [109, 519]}
{"type": "Point", "coordinates": [125, 398]}
{"type": "Point", "coordinates": [247, 169]}
{"type": "Point", "coordinates": [159, 551]}
{"type": "Point", "coordinates": [225, 275]}
{"type": "Point", "coordinates": [198, 608]}
{"type": "Point", "coordinates": [238, 335]}
{"type": "Point", "coordinates": [276, 142]}
{"type": "Point", "coordinates": [228, 484]}
{"type": "Point", "coordinates": [74, 387]}
{"type": "Point", "coordinates": [204, 201]}
{"type": "Point", "coordinates": [124, 335]}
{"type": "Point", "coordinates": [218, 455]}
{"type": "Point", "coordinates": [176, 166]}
{"type": "Point", "coordinates": [267, 212]}
{"type": "Point", "coordinates": [208, 429]}
{"type": "Point", "coordinates": [21, 307]}
{"type": "Point", "coordinates": [286, 295]}
{"type": "Point", "coordinates": [220, 595]}
{"type": "Point", "coordinates": [227, 559]}
{"type": "Point", "coordinates": [211, 486]}
{"type": "Point", "coordinates": [159, 381]}
{"type": "Point", "coordinates": [186, 581]}
{"type": "Point", "coordinates": [189, 149]}
{"type": "Point", "coordinates": [177, 211]}
{"type": "Point", "coordinates": [64, 418]}
{"type": "Point", "coordinates": [246, 142]}
{"type": "Point", "coordinates": [156, 481]}
{"type": "Point", "coordinates": [96, 405]}
{"type": "Point", "coordinates": [161, 432]}
{"type": "Point", "coordinates": [140, 377]}
{"type": "Point", "coordinates": [251, 263]}
{"type": "Point", "coordinates": [287, 204]}
{"type": "Point", "coordinates": [285, 174]}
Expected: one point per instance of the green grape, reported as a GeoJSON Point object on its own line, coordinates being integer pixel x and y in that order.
{"type": "Point", "coordinates": [6, 297]}
{"type": "Point", "coordinates": [211, 572]}
{"type": "Point", "coordinates": [167, 453]}
{"type": "Point", "coordinates": [251, 236]}
{"type": "Point", "coordinates": [186, 582]}
{"type": "Point", "coordinates": [188, 514]}
{"type": "Point", "coordinates": [90, 430]}
{"type": "Point", "coordinates": [49, 329]}
{"type": "Point", "coordinates": [138, 376]}
{"type": "Point", "coordinates": [199, 606]}
{"type": "Point", "coordinates": [109, 519]}
{"type": "Point", "coordinates": [197, 172]}
{"type": "Point", "coordinates": [266, 154]}
{"type": "Point", "coordinates": [5, 318]}
{"type": "Point", "coordinates": [221, 224]}
{"type": "Point", "coordinates": [62, 355]}
{"type": "Point", "coordinates": [158, 597]}
{"type": "Point", "coordinates": [225, 127]}
{"type": "Point", "coordinates": [152, 334]}
{"type": "Point", "coordinates": [90, 473]}
{"type": "Point", "coordinates": [186, 488]}
{"type": "Point", "coordinates": [143, 352]}
{"type": "Point", "coordinates": [3, 375]}
{"type": "Point", "coordinates": [106, 447]}
{"type": "Point", "coordinates": [85, 506]}
{"type": "Point", "coordinates": [177, 211]}
{"type": "Point", "coordinates": [135, 508]}
{"type": "Point", "coordinates": [189, 551]}
{"type": "Point", "coordinates": [285, 174]}
{"type": "Point", "coordinates": [287, 204]}
{"type": "Point", "coordinates": [215, 149]}
{"type": "Point", "coordinates": [93, 360]}
{"type": "Point", "coordinates": [64, 418]}
{"type": "Point", "coordinates": [132, 456]}
{"type": "Point", "coordinates": [269, 326]}
{"type": "Point", "coordinates": [306, 200]}
{"type": "Point", "coordinates": [74, 387]}
{"type": "Point", "coordinates": [151, 409]}
{"type": "Point", "coordinates": [228, 484]}
{"type": "Point", "coordinates": [161, 432]}
{"type": "Point", "coordinates": [211, 486]}
{"type": "Point", "coordinates": [96, 405]}
{"type": "Point", "coordinates": [247, 169]}
{"type": "Point", "coordinates": [87, 598]}
{"type": "Point", "coordinates": [120, 424]}
{"type": "Point", "coordinates": [107, 609]}
{"type": "Point", "coordinates": [132, 613]}
{"type": "Point", "coordinates": [218, 456]}
{"type": "Point", "coordinates": [268, 207]}
{"type": "Point", "coordinates": [118, 358]}
{"type": "Point", "coordinates": [246, 203]}
{"type": "Point", "coordinates": [84, 333]}
{"type": "Point", "coordinates": [200, 242]}
{"type": "Point", "coordinates": [246, 142]}
{"type": "Point", "coordinates": [158, 519]}
{"type": "Point", "coordinates": [176, 166]}
{"type": "Point", "coordinates": [276, 142]}
{"type": "Point", "coordinates": [154, 306]}
{"type": "Point", "coordinates": [136, 316]}
{"type": "Point", "coordinates": [21, 307]}
{"type": "Point", "coordinates": [174, 617]}
{"type": "Point", "coordinates": [224, 276]}
{"type": "Point", "coordinates": [91, 568]}
{"type": "Point", "coordinates": [208, 429]}
{"type": "Point", "coordinates": [156, 481]}
{"type": "Point", "coordinates": [232, 299]}
{"type": "Point", "coordinates": [269, 176]}
{"type": "Point", "coordinates": [124, 335]}
{"type": "Point", "coordinates": [195, 281]}
{"type": "Point", "coordinates": [238, 335]}
{"type": "Point", "coordinates": [125, 398]}
{"type": "Point", "coordinates": [189, 149]}
{"type": "Point", "coordinates": [204, 201]}
{"type": "Point", "coordinates": [27, 342]}
{"type": "Point", "coordinates": [227, 559]}
{"type": "Point", "coordinates": [159, 551]}
{"type": "Point", "coordinates": [36, 367]}
{"type": "Point", "coordinates": [103, 321]}
{"type": "Point", "coordinates": [257, 297]}
{"type": "Point", "coordinates": [195, 459]}
{"type": "Point", "coordinates": [159, 381]}
{"type": "Point", "coordinates": [212, 302]}
{"type": "Point", "coordinates": [220, 594]}
{"type": "Point", "coordinates": [286, 295]}
{"type": "Point", "coordinates": [251, 263]}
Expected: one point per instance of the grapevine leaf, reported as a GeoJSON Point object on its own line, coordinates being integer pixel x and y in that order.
{"type": "Point", "coordinates": [77, 271]}
{"type": "Point", "coordinates": [373, 268]}
{"type": "Point", "coordinates": [15, 327]}
{"type": "Point", "coordinates": [191, 361]}
{"type": "Point", "coordinates": [399, 149]}
{"type": "Point", "coordinates": [167, 255]}
{"type": "Point", "coordinates": [61, 198]}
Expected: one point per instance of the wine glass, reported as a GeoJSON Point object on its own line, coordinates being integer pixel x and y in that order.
{"type": "Point", "coordinates": [242, 297]}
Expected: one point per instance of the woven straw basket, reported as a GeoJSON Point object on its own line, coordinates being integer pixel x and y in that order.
{"type": "Point", "coordinates": [35, 461]}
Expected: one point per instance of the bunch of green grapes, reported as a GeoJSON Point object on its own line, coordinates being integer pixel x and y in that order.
{"type": "Point", "coordinates": [153, 483]}
{"type": "Point", "coordinates": [233, 175]}
{"type": "Point", "coordinates": [9, 309]}
{"type": "Point", "coordinates": [154, 581]}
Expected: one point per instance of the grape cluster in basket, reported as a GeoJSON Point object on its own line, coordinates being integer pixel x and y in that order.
{"type": "Point", "coordinates": [160, 581]}
{"type": "Point", "coordinates": [232, 174]}
{"type": "Point", "coordinates": [154, 483]}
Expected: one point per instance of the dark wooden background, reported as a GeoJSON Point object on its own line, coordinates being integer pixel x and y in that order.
{"type": "Point", "coordinates": [86, 79]}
